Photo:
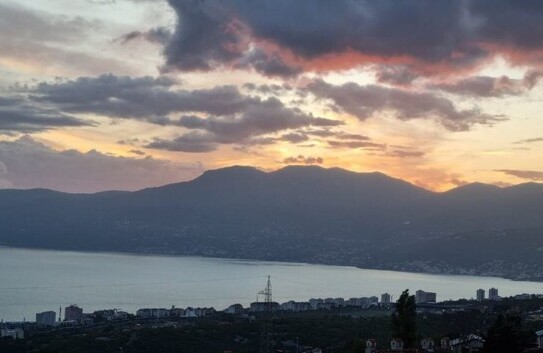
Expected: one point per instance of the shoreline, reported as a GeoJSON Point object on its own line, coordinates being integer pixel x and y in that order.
{"type": "Point", "coordinates": [266, 261]}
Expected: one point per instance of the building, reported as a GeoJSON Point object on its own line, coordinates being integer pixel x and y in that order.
{"type": "Point", "coordinates": [386, 299]}
{"type": "Point", "coordinates": [396, 345]}
{"type": "Point", "coordinates": [445, 343]}
{"type": "Point", "coordinates": [16, 333]}
{"type": "Point", "coordinates": [153, 313]}
{"type": "Point", "coordinates": [73, 313]}
{"type": "Point", "coordinates": [425, 297]}
{"type": "Point", "coordinates": [262, 307]}
{"type": "Point", "coordinates": [373, 300]}
{"type": "Point", "coordinates": [493, 294]}
{"type": "Point", "coordinates": [539, 335]}
{"type": "Point", "coordinates": [470, 344]}
{"type": "Point", "coordinates": [295, 306]}
{"type": "Point", "coordinates": [47, 318]}
{"type": "Point", "coordinates": [234, 309]}
{"type": "Point", "coordinates": [480, 295]}
{"type": "Point", "coordinates": [427, 344]}
{"type": "Point", "coordinates": [371, 346]}
{"type": "Point", "coordinates": [316, 304]}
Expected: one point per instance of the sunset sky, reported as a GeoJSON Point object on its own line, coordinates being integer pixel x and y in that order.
{"type": "Point", "coordinates": [126, 94]}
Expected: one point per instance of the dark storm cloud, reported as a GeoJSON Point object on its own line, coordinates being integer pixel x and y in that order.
{"type": "Point", "coordinates": [457, 34]}
{"type": "Point", "coordinates": [523, 174]}
{"type": "Point", "coordinates": [268, 64]}
{"type": "Point", "coordinates": [364, 101]}
{"type": "Point", "coordinates": [485, 86]}
{"type": "Point", "coordinates": [19, 116]}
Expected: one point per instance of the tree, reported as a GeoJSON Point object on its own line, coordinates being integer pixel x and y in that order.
{"type": "Point", "coordinates": [505, 336]}
{"type": "Point", "coordinates": [404, 319]}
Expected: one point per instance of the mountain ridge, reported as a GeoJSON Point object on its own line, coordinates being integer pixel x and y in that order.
{"type": "Point", "coordinates": [306, 214]}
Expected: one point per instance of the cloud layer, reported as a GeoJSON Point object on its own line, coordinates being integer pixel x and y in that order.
{"type": "Point", "coordinates": [322, 34]}
{"type": "Point", "coordinates": [26, 163]}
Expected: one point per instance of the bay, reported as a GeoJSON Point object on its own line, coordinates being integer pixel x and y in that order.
{"type": "Point", "coordinates": [33, 281]}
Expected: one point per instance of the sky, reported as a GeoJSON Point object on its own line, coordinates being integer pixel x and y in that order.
{"type": "Point", "coordinates": [126, 94]}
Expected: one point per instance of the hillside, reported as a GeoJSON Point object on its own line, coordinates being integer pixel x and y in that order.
{"type": "Point", "coordinates": [308, 214]}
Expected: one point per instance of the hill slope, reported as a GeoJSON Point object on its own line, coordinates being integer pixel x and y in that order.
{"type": "Point", "coordinates": [297, 214]}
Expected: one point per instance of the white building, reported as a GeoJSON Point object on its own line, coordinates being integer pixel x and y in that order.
{"type": "Point", "coordinates": [470, 344]}
{"type": "Point", "coordinates": [16, 333]}
{"type": "Point", "coordinates": [371, 346]}
{"type": "Point", "coordinates": [493, 294]}
{"type": "Point", "coordinates": [234, 309]}
{"type": "Point", "coordinates": [480, 295]}
{"type": "Point", "coordinates": [73, 313]}
{"type": "Point", "coordinates": [425, 297]}
{"type": "Point", "coordinates": [386, 299]}
{"type": "Point", "coordinates": [539, 335]}
{"type": "Point", "coordinates": [396, 345]}
{"type": "Point", "coordinates": [47, 318]}
{"type": "Point", "coordinates": [316, 304]}
{"type": "Point", "coordinates": [428, 344]}
{"type": "Point", "coordinates": [153, 313]}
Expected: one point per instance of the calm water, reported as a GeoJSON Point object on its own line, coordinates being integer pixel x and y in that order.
{"type": "Point", "coordinates": [37, 280]}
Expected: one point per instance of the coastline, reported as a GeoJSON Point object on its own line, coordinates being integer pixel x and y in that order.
{"type": "Point", "coordinates": [457, 273]}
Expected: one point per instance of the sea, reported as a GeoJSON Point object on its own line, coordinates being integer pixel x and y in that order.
{"type": "Point", "coordinates": [33, 281]}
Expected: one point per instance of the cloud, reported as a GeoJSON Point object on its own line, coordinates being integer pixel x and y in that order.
{"type": "Point", "coordinates": [191, 142]}
{"type": "Point", "coordinates": [485, 86]}
{"type": "Point", "coordinates": [531, 140]}
{"type": "Point", "coordinates": [405, 153]}
{"type": "Point", "coordinates": [395, 75]}
{"type": "Point", "coordinates": [356, 144]}
{"type": "Point", "coordinates": [138, 152]}
{"type": "Point", "coordinates": [20, 116]}
{"type": "Point", "coordinates": [523, 174]}
{"type": "Point", "coordinates": [158, 35]}
{"type": "Point", "coordinates": [364, 102]}
{"type": "Point", "coordinates": [268, 64]}
{"type": "Point", "coordinates": [39, 40]}
{"type": "Point", "coordinates": [259, 118]}
{"type": "Point", "coordinates": [139, 97]}
{"type": "Point", "coordinates": [300, 159]}
{"type": "Point", "coordinates": [322, 34]}
{"type": "Point", "coordinates": [31, 164]}
{"type": "Point", "coordinates": [219, 115]}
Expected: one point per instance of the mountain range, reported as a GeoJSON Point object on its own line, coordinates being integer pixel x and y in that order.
{"type": "Point", "coordinates": [298, 213]}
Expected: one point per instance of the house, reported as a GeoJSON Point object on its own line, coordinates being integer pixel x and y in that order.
{"type": "Point", "coordinates": [15, 333]}
{"type": "Point", "coordinates": [371, 346]}
{"type": "Point", "coordinates": [396, 345]}
{"type": "Point", "coordinates": [427, 344]}
{"type": "Point", "coordinates": [539, 335]}
{"type": "Point", "coordinates": [234, 309]}
{"type": "Point", "coordinates": [152, 313]}
{"type": "Point", "coordinates": [470, 344]}
{"type": "Point", "coordinates": [445, 343]}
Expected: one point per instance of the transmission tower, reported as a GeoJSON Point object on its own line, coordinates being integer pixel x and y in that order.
{"type": "Point", "coordinates": [265, 340]}
{"type": "Point", "coordinates": [267, 293]}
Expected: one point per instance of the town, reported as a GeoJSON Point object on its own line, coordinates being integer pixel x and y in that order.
{"type": "Point", "coordinates": [72, 320]}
